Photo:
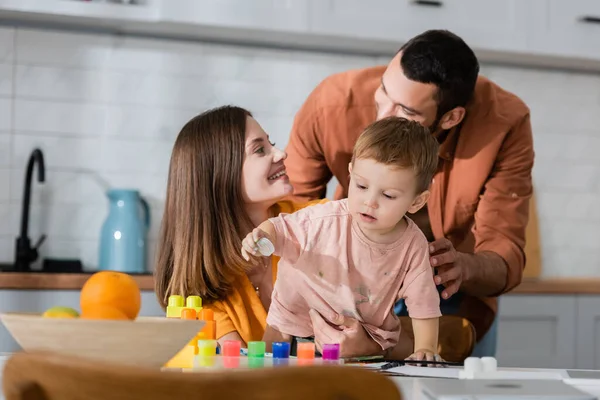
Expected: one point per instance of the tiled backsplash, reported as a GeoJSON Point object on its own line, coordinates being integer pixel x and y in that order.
{"type": "Point", "coordinates": [105, 110]}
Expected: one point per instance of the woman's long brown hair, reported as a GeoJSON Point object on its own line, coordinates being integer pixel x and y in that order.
{"type": "Point", "coordinates": [204, 219]}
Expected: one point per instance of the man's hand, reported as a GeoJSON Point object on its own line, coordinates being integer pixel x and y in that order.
{"type": "Point", "coordinates": [447, 261]}
{"type": "Point", "coordinates": [348, 332]}
{"type": "Point", "coordinates": [481, 274]}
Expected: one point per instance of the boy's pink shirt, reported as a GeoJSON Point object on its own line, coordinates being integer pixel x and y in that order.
{"type": "Point", "coordinates": [329, 265]}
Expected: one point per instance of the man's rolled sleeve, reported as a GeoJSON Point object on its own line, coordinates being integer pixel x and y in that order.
{"type": "Point", "coordinates": [503, 211]}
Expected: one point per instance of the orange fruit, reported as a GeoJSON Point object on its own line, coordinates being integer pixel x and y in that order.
{"type": "Point", "coordinates": [104, 313]}
{"type": "Point", "coordinates": [110, 289]}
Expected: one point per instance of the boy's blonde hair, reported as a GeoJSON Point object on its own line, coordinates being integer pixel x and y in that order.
{"type": "Point", "coordinates": [402, 143]}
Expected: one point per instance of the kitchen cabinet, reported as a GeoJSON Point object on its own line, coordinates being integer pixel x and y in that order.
{"type": "Point", "coordinates": [566, 28]}
{"type": "Point", "coordinates": [99, 14]}
{"type": "Point", "coordinates": [588, 332]}
{"type": "Point", "coordinates": [269, 15]}
{"type": "Point", "coordinates": [484, 24]}
{"type": "Point", "coordinates": [549, 331]}
{"type": "Point", "coordinates": [40, 300]}
{"type": "Point", "coordinates": [537, 331]}
{"type": "Point", "coordinates": [535, 32]}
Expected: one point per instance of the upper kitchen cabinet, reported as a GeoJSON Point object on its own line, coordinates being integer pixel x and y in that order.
{"type": "Point", "coordinates": [80, 13]}
{"type": "Point", "coordinates": [557, 33]}
{"type": "Point", "coordinates": [253, 15]}
{"type": "Point", "coordinates": [566, 28]}
{"type": "Point", "coordinates": [490, 25]}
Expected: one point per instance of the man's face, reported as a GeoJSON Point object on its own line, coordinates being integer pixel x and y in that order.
{"type": "Point", "coordinates": [399, 96]}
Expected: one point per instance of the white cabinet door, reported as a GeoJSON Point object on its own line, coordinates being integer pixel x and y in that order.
{"type": "Point", "coordinates": [537, 331]}
{"type": "Point", "coordinates": [486, 24]}
{"type": "Point", "coordinates": [588, 332]}
{"type": "Point", "coordinates": [266, 15]}
{"type": "Point", "coordinates": [567, 28]}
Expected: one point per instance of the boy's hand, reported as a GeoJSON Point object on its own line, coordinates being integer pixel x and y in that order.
{"type": "Point", "coordinates": [348, 332]}
{"type": "Point", "coordinates": [424, 355]}
{"type": "Point", "coordinates": [250, 245]}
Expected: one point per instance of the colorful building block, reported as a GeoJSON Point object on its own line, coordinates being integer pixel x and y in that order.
{"type": "Point", "coordinates": [176, 305]}
{"type": "Point", "coordinates": [209, 332]}
{"type": "Point", "coordinates": [192, 309]}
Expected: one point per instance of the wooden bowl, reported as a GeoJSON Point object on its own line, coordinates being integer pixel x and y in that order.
{"type": "Point", "coordinates": [147, 341]}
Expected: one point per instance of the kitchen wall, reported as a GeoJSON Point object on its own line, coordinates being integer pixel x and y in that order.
{"type": "Point", "coordinates": [105, 110]}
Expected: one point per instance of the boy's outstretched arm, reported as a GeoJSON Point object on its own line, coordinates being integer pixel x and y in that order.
{"type": "Point", "coordinates": [426, 339]}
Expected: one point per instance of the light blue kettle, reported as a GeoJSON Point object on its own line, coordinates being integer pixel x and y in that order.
{"type": "Point", "coordinates": [123, 242]}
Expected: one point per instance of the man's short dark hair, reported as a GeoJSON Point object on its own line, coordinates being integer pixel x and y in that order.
{"type": "Point", "coordinates": [442, 58]}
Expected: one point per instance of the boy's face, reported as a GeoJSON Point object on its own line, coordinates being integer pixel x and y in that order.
{"type": "Point", "coordinates": [380, 195]}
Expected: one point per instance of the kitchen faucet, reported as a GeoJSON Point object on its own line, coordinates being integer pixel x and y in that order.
{"type": "Point", "coordinates": [25, 254]}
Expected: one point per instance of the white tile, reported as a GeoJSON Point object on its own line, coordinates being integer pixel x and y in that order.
{"type": "Point", "coordinates": [6, 221]}
{"type": "Point", "coordinates": [6, 79]}
{"type": "Point", "coordinates": [49, 47]}
{"type": "Point", "coordinates": [156, 214]}
{"type": "Point", "coordinates": [552, 174]}
{"type": "Point", "coordinates": [5, 189]}
{"type": "Point", "coordinates": [172, 57]}
{"type": "Point", "coordinates": [550, 86]}
{"type": "Point", "coordinates": [573, 146]}
{"type": "Point", "coordinates": [146, 122]}
{"type": "Point", "coordinates": [581, 147]}
{"type": "Point", "coordinates": [6, 44]}
{"type": "Point", "coordinates": [62, 221]}
{"type": "Point", "coordinates": [7, 249]}
{"type": "Point", "coordinates": [5, 149]}
{"type": "Point", "coordinates": [571, 262]}
{"type": "Point", "coordinates": [59, 118]}
{"type": "Point", "coordinates": [548, 145]}
{"type": "Point", "coordinates": [257, 97]}
{"type": "Point", "coordinates": [561, 232]}
{"type": "Point", "coordinates": [80, 154]}
{"type": "Point", "coordinates": [278, 128]}
{"type": "Point", "coordinates": [576, 206]}
{"type": "Point", "coordinates": [152, 187]}
{"type": "Point", "coordinates": [60, 83]}
{"type": "Point", "coordinates": [152, 249]}
{"type": "Point", "coordinates": [274, 68]}
{"type": "Point", "coordinates": [548, 117]}
{"type": "Point", "coordinates": [62, 187]}
{"type": "Point", "coordinates": [5, 114]}
{"type": "Point", "coordinates": [154, 89]}
{"type": "Point", "coordinates": [150, 157]}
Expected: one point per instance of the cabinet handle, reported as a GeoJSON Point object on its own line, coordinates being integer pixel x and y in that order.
{"type": "Point", "coordinates": [590, 20]}
{"type": "Point", "coordinates": [428, 3]}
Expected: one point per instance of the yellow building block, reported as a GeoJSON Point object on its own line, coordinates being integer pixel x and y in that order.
{"type": "Point", "coordinates": [176, 305]}
{"type": "Point", "coordinates": [185, 357]}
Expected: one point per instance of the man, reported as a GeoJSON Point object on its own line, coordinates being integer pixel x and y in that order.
{"type": "Point", "coordinates": [479, 204]}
